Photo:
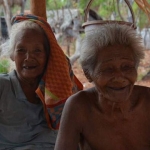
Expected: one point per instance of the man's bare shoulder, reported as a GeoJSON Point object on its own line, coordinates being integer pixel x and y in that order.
{"type": "Point", "coordinates": [81, 101]}
{"type": "Point", "coordinates": [84, 96]}
{"type": "Point", "coordinates": [142, 90]}
{"type": "Point", "coordinates": [142, 93]}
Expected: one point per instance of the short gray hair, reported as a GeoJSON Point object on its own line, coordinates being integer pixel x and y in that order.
{"type": "Point", "coordinates": [7, 48]}
{"type": "Point", "coordinates": [106, 35]}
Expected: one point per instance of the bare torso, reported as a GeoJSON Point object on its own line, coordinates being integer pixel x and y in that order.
{"type": "Point", "coordinates": [122, 134]}
{"type": "Point", "coordinates": [97, 125]}
{"type": "Point", "coordinates": [117, 131]}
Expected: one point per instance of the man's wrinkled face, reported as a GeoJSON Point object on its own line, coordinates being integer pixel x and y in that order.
{"type": "Point", "coordinates": [115, 73]}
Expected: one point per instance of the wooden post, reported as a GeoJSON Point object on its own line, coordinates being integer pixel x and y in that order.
{"type": "Point", "coordinates": [38, 8]}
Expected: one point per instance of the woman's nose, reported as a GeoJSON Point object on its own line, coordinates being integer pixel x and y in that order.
{"type": "Point", "coordinates": [29, 55]}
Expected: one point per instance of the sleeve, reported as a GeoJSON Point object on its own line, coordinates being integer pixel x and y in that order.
{"type": "Point", "coordinates": [1, 85]}
{"type": "Point", "coordinates": [4, 83]}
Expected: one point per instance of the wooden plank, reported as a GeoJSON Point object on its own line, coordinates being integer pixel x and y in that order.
{"type": "Point", "coordinates": [38, 8]}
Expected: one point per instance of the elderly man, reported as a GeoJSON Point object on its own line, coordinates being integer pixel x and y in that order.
{"type": "Point", "coordinates": [115, 113]}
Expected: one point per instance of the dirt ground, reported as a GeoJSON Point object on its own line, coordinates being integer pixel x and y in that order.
{"type": "Point", "coordinates": [144, 70]}
{"type": "Point", "coordinates": [143, 78]}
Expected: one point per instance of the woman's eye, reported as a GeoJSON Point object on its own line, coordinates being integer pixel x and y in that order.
{"type": "Point", "coordinates": [38, 50]}
{"type": "Point", "coordinates": [20, 50]}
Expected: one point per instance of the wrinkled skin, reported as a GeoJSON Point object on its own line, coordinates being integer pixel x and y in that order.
{"type": "Point", "coordinates": [115, 74]}
{"type": "Point", "coordinates": [113, 115]}
{"type": "Point", "coordinates": [30, 59]}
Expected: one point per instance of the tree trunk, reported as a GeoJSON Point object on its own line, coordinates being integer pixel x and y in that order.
{"type": "Point", "coordinates": [7, 15]}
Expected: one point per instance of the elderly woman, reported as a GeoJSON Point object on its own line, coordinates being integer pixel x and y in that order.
{"type": "Point", "coordinates": [115, 113]}
{"type": "Point", "coordinates": [33, 95]}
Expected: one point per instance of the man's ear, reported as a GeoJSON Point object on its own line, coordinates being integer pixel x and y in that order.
{"type": "Point", "coordinates": [86, 72]}
{"type": "Point", "coordinates": [12, 56]}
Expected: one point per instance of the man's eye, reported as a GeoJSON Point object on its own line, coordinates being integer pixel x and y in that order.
{"type": "Point", "coordinates": [108, 70]}
{"type": "Point", "coordinates": [127, 67]}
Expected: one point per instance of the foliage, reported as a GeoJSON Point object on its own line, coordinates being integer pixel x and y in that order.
{"type": "Point", "coordinates": [141, 18]}
{"type": "Point", "coordinates": [55, 4]}
{"type": "Point", "coordinates": [104, 8]}
{"type": "Point", "coordinates": [4, 66]}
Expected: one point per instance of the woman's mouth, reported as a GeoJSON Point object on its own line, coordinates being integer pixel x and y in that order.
{"type": "Point", "coordinates": [29, 67]}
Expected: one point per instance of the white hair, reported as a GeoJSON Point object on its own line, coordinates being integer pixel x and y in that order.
{"type": "Point", "coordinates": [8, 46]}
{"type": "Point", "coordinates": [106, 35]}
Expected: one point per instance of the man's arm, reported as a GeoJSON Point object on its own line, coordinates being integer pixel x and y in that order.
{"type": "Point", "coordinates": [70, 125]}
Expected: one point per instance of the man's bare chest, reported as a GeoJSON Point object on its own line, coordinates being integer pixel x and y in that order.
{"type": "Point", "coordinates": [115, 134]}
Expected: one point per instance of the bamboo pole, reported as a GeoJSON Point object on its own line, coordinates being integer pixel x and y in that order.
{"type": "Point", "coordinates": [38, 8]}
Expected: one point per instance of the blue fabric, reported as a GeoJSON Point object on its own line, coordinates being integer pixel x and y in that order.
{"type": "Point", "coordinates": [22, 124]}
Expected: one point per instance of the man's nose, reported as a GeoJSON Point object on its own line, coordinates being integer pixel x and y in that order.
{"type": "Point", "coordinates": [119, 75]}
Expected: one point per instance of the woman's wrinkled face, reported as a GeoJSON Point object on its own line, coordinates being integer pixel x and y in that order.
{"type": "Point", "coordinates": [29, 54]}
{"type": "Point", "coordinates": [115, 73]}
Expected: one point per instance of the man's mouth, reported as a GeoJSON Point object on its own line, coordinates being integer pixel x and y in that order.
{"type": "Point", "coordinates": [118, 88]}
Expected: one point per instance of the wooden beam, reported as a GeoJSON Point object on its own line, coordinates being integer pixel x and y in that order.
{"type": "Point", "coordinates": [38, 8]}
